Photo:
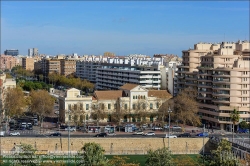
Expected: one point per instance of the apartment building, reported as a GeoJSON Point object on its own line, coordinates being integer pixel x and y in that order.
{"type": "Point", "coordinates": [220, 73]}
{"type": "Point", "coordinates": [128, 98]}
{"type": "Point", "coordinates": [51, 66]}
{"type": "Point", "coordinates": [28, 63]}
{"type": "Point", "coordinates": [112, 76]}
{"type": "Point", "coordinates": [68, 66]}
{"type": "Point", "coordinates": [7, 62]}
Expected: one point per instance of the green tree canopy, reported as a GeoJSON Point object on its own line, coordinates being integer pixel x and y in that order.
{"type": "Point", "coordinates": [244, 125]}
{"type": "Point", "coordinates": [93, 155]}
{"type": "Point", "coordinates": [223, 155]}
{"type": "Point", "coordinates": [159, 157]}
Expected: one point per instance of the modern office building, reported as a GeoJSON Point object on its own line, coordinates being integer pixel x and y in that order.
{"type": "Point", "coordinates": [33, 52]}
{"type": "Point", "coordinates": [12, 52]}
{"type": "Point", "coordinates": [221, 75]}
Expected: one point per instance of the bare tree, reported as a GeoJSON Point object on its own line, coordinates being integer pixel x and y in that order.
{"type": "Point", "coordinates": [121, 109]}
{"type": "Point", "coordinates": [99, 112]}
{"type": "Point", "coordinates": [186, 108]}
{"type": "Point", "coordinates": [141, 110]}
{"type": "Point", "coordinates": [78, 113]}
{"type": "Point", "coordinates": [42, 103]}
{"type": "Point", "coordinates": [163, 110]}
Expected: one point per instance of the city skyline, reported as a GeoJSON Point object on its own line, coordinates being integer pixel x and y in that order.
{"type": "Point", "coordinates": [122, 27]}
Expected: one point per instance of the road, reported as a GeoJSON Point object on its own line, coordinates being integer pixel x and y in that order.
{"type": "Point", "coordinates": [159, 134]}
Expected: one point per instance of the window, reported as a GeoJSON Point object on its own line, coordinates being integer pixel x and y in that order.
{"type": "Point", "coordinates": [69, 106]}
{"type": "Point", "coordinates": [115, 106]}
{"type": "Point", "coordinates": [244, 79]}
{"type": "Point", "coordinates": [244, 85]}
{"type": "Point", "coordinates": [144, 106]}
{"type": "Point", "coordinates": [133, 97]}
{"type": "Point", "coordinates": [126, 106]}
{"type": "Point", "coordinates": [109, 106]}
{"type": "Point", "coordinates": [133, 106]}
{"type": "Point", "coordinates": [151, 105]}
{"type": "Point", "coordinates": [244, 72]}
{"type": "Point", "coordinates": [157, 104]}
{"type": "Point", "coordinates": [75, 106]}
{"type": "Point", "coordinates": [87, 106]}
{"type": "Point", "coordinates": [139, 106]}
{"type": "Point", "coordinates": [81, 106]}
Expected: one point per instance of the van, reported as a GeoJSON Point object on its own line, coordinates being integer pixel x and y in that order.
{"type": "Point", "coordinates": [2, 133]}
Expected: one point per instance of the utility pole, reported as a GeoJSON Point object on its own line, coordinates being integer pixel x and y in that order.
{"type": "Point", "coordinates": [68, 139]}
{"type": "Point", "coordinates": [169, 111]}
{"type": "Point", "coordinates": [203, 147]}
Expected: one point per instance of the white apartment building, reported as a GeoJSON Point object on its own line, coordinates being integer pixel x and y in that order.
{"type": "Point", "coordinates": [113, 72]}
{"type": "Point", "coordinates": [127, 97]}
{"type": "Point", "coordinates": [221, 74]}
{"type": "Point", "coordinates": [118, 72]}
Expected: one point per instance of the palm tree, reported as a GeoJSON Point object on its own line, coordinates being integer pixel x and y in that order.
{"type": "Point", "coordinates": [235, 117]}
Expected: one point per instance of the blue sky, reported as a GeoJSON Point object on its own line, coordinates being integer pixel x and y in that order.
{"type": "Point", "coordinates": [122, 27]}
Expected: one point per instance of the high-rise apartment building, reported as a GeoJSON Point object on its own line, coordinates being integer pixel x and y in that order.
{"type": "Point", "coordinates": [12, 52]}
{"type": "Point", "coordinates": [221, 75]}
{"type": "Point", "coordinates": [30, 52]}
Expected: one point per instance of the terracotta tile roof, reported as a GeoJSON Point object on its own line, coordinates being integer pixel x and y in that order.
{"type": "Point", "coordinates": [128, 86]}
{"type": "Point", "coordinates": [105, 95]}
{"type": "Point", "coordinates": [159, 94]}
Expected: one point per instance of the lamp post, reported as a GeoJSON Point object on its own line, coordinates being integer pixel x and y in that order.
{"type": "Point", "coordinates": [169, 111]}
{"type": "Point", "coordinates": [68, 138]}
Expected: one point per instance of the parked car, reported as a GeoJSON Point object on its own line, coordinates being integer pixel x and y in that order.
{"type": "Point", "coordinates": [166, 127]}
{"type": "Point", "coordinates": [149, 133]}
{"type": "Point", "coordinates": [243, 130]}
{"type": "Point", "coordinates": [70, 129]}
{"type": "Point", "coordinates": [205, 134]}
{"type": "Point", "coordinates": [176, 127]}
{"type": "Point", "coordinates": [185, 135]}
{"type": "Point", "coordinates": [111, 134]}
{"type": "Point", "coordinates": [14, 133]}
{"type": "Point", "coordinates": [101, 135]}
{"type": "Point", "coordinates": [156, 128]}
{"type": "Point", "coordinates": [170, 136]}
{"type": "Point", "coordinates": [56, 134]}
{"type": "Point", "coordinates": [138, 133]}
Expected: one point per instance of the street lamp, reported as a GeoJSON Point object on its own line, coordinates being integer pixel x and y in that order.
{"type": "Point", "coordinates": [68, 138]}
{"type": "Point", "coordinates": [169, 111]}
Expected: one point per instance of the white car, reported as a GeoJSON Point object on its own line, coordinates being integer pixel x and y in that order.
{"type": "Point", "coordinates": [170, 136]}
{"type": "Point", "coordinates": [149, 133]}
{"type": "Point", "coordinates": [70, 129]}
{"type": "Point", "coordinates": [111, 134]}
{"type": "Point", "coordinates": [138, 133]}
{"type": "Point", "coordinates": [14, 133]}
{"type": "Point", "coordinates": [176, 127]}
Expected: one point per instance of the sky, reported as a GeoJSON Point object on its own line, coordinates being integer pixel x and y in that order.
{"type": "Point", "coordinates": [121, 27]}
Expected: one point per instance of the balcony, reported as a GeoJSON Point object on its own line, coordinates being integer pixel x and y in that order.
{"type": "Point", "coordinates": [221, 80]}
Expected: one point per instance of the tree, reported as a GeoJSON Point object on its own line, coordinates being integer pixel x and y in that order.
{"type": "Point", "coordinates": [119, 112]}
{"type": "Point", "coordinates": [235, 117]}
{"type": "Point", "coordinates": [163, 110]}
{"type": "Point", "coordinates": [243, 125]}
{"type": "Point", "coordinates": [78, 113]}
{"type": "Point", "coordinates": [25, 155]}
{"type": "Point", "coordinates": [120, 161]}
{"type": "Point", "coordinates": [93, 155]}
{"type": "Point", "coordinates": [159, 157]}
{"type": "Point", "coordinates": [15, 103]}
{"type": "Point", "coordinates": [141, 111]}
{"type": "Point", "coordinates": [42, 103]}
{"type": "Point", "coordinates": [99, 112]}
{"type": "Point", "coordinates": [186, 108]}
{"type": "Point", "coordinates": [223, 155]}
